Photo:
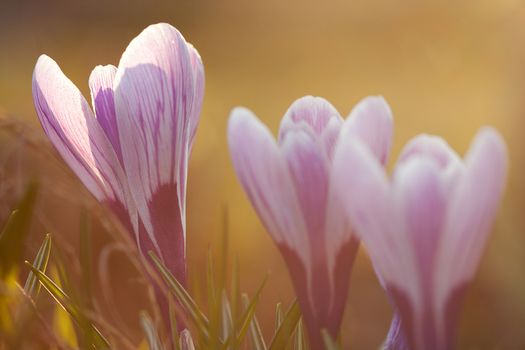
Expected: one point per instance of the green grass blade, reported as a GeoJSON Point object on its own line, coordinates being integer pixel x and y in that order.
{"type": "Point", "coordinates": [235, 293]}
{"type": "Point", "coordinates": [285, 331]}
{"type": "Point", "coordinates": [214, 305]}
{"type": "Point", "coordinates": [278, 315]}
{"type": "Point", "coordinates": [226, 320]}
{"type": "Point", "coordinates": [328, 341]}
{"type": "Point", "coordinates": [185, 341]}
{"type": "Point", "coordinates": [245, 320]}
{"type": "Point", "coordinates": [32, 286]}
{"type": "Point", "coordinates": [98, 340]}
{"type": "Point", "coordinates": [300, 337]}
{"type": "Point", "coordinates": [173, 324]}
{"type": "Point", "coordinates": [183, 297]}
{"type": "Point", "coordinates": [256, 337]}
{"type": "Point", "coordinates": [150, 331]}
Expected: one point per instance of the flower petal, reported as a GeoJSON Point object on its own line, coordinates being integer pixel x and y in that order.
{"type": "Point", "coordinates": [420, 197]}
{"type": "Point", "coordinates": [312, 113]}
{"type": "Point", "coordinates": [198, 72]}
{"type": "Point", "coordinates": [265, 177]}
{"type": "Point", "coordinates": [308, 166]}
{"type": "Point", "coordinates": [371, 121]}
{"type": "Point", "coordinates": [76, 134]}
{"type": "Point", "coordinates": [102, 96]}
{"type": "Point", "coordinates": [435, 149]}
{"type": "Point", "coordinates": [155, 100]}
{"type": "Point", "coordinates": [471, 213]}
{"type": "Point", "coordinates": [367, 199]}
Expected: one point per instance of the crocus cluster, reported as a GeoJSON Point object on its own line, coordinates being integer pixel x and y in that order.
{"type": "Point", "coordinates": [322, 188]}
{"type": "Point", "coordinates": [290, 185]}
{"type": "Point", "coordinates": [319, 189]}
{"type": "Point", "coordinates": [424, 229]}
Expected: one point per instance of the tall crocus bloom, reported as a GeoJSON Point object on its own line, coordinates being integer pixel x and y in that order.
{"type": "Point", "coordinates": [425, 229]}
{"type": "Point", "coordinates": [289, 184]}
{"type": "Point", "coordinates": [131, 150]}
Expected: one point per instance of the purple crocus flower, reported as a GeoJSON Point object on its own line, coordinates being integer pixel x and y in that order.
{"type": "Point", "coordinates": [289, 184]}
{"type": "Point", "coordinates": [425, 229]}
{"type": "Point", "coordinates": [131, 151]}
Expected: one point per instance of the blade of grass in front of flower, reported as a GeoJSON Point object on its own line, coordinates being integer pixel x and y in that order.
{"type": "Point", "coordinates": [32, 286]}
{"type": "Point", "coordinates": [256, 337]}
{"type": "Point", "coordinates": [245, 320]}
{"type": "Point", "coordinates": [278, 315]}
{"type": "Point", "coordinates": [150, 332]}
{"type": "Point", "coordinates": [300, 337]}
{"type": "Point", "coordinates": [226, 321]}
{"type": "Point", "coordinates": [284, 333]}
{"type": "Point", "coordinates": [214, 305]}
{"type": "Point", "coordinates": [235, 293]}
{"type": "Point", "coordinates": [85, 259]}
{"type": "Point", "coordinates": [84, 330]}
{"type": "Point", "coordinates": [64, 328]}
{"type": "Point", "coordinates": [196, 315]}
{"type": "Point", "coordinates": [185, 341]}
{"type": "Point", "coordinates": [89, 330]}
{"type": "Point", "coordinates": [328, 341]}
{"type": "Point", "coordinates": [173, 324]}
{"type": "Point", "coordinates": [15, 231]}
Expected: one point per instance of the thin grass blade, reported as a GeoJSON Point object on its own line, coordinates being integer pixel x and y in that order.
{"type": "Point", "coordinates": [196, 315]}
{"type": "Point", "coordinates": [329, 343]}
{"type": "Point", "coordinates": [186, 341]}
{"type": "Point", "coordinates": [300, 337]}
{"type": "Point", "coordinates": [32, 286]}
{"type": "Point", "coordinates": [246, 319]}
{"type": "Point", "coordinates": [99, 342]}
{"type": "Point", "coordinates": [152, 337]}
{"type": "Point", "coordinates": [256, 337]}
{"type": "Point", "coordinates": [285, 331]}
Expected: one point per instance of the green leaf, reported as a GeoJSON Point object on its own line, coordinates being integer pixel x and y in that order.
{"type": "Point", "coordinates": [245, 320]}
{"type": "Point", "coordinates": [226, 321]}
{"type": "Point", "coordinates": [32, 286]}
{"type": "Point", "coordinates": [278, 315]}
{"type": "Point", "coordinates": [284, 333]}
{"type": "Point", "coordinates": [300, 337]}
{"type": "Point", "coordinates": [173, 323]}
{"type": "Point", "coordinates": [235, 293]}
{"type": "Point", "coordinates": [15, 231]}
{"type": "Point", "coordinates": [152, 336]}
{"type": "Point", "coordinates": [98, 340]}
{"type": "Point", "coordinates": [214, 306]}
{"type": "Point", "coordinates": [185, 341]}
{"type": "Point", "coordinates": [196, 315]}
{"type": "Point", "coordinates": [328, 341]}
{"type": "Point", "coordinates": [256, 337]}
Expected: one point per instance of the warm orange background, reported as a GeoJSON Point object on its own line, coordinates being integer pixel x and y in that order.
{"type": "Point", "coordinates": [446, 68]}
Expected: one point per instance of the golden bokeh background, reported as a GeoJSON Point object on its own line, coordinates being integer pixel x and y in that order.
{"type": "Point", "coordinates": [446, 67]}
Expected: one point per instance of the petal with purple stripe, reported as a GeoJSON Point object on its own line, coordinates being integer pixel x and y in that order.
{"type": "Point", "coordinates": [155, 100]}
{"type": "Point", "coordinates": [102, 96]}
{"type": "Point", "coordinates": [72, 128]}
{"type": "Point", "coordinates": [264, 174]}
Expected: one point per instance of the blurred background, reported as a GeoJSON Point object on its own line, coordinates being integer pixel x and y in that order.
{"type": "Point", "coordinates": [445, 67]}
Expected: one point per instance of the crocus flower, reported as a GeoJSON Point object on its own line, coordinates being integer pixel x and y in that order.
{"type": "Point", "coordinates": [131, 150]}
{"type": "Point", "coordinates": [289, 184]}
{"type": "Point", "coordinates": [425, 229]}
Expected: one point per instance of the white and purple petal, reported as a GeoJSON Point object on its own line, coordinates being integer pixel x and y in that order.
{"type": "Point", "coordinates": [156, 106]}
{"type": "Point", "coordinates": [371, 122]}
{"type": "Point", "coordinates": [75, 132]}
